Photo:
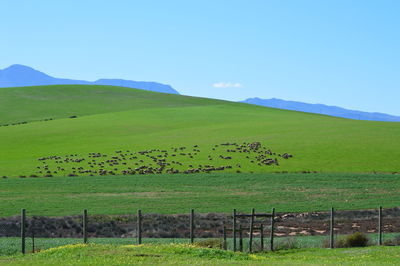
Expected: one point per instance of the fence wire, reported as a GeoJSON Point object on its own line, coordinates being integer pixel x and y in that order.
{"type": "Point", "coordinates": [291, 230]}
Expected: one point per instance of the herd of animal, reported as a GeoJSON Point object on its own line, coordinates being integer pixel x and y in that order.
{"type": "Point", "coordinates": [186, 159]}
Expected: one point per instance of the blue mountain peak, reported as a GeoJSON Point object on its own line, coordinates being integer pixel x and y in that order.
{"type": "Point", "coordinates": [20, 76]}
{"type": "Point", "coordinates": [322, 109]}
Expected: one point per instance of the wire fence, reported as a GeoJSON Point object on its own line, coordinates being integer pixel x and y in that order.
{"type": "Point", "coordinates": [240, 231]}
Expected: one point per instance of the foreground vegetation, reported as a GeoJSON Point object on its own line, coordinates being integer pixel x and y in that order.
{"type": "Point", "coordinates": [178, 254]}
{"type": "Point", "coordinates": [12, 245]}
{"type": "Point", "coordinates": [108, 119]}
{"type": "Point", "coordinates": [172, 194]}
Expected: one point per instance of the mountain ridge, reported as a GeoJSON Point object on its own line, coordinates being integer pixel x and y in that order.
{"type": "Point", "coordinates": [322, 109]}
{"type": "Point", "coordinates": [20, 76]}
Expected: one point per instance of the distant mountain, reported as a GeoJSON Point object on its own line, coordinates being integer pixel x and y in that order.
{"type": "Point", "coordinates": [322, 109]}
{"type": "Point", "coordinates": [20, 76]}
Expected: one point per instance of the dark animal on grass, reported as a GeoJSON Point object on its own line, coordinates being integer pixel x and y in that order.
{"type": "Point", "coordinates": [254, 145]}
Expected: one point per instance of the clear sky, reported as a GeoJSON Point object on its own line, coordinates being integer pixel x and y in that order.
{"type": "Point", "coordinates": [344, 53]}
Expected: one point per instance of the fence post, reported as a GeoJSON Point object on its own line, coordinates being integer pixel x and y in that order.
{"type": "Point", "coordinates": [380, 226]}
{"type": "Point", "coordinates": [23, 219]}
{"type": "Point", "coordinates": [272, 229]}
{"type": "Point", "coordinates": [139, 227]}
{"type": "Point", "coordinates": [261, 237]}
{"type": "Point", "coordinates": [240, 238]}
{"type": "Point", "coordinates": [251, 231]}
{"type": "Point", "coordinates": [84, 226]}
{"type": "Point", "coordinates": [225, 244]}
{"type": "Point", "coordinates": [191, 226]}
{"type": "Point", "coordinates": [234, 230]}
{"type": "Point", "coordinates": [33, 240]}
{"type": "Point", "coordinates": [331, 242]}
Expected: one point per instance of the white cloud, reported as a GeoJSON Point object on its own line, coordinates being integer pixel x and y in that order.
{"type": "Point", "coordinates": [227, 85]}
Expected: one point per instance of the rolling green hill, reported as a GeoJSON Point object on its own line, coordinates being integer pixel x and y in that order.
{"type": "Point", "coordinates": [111, 119]}
{"type": "Point", "coordinates": [61, 101]}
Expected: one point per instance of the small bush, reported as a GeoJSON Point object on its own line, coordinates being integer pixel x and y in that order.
{"type": "Point", "coordinates": [341, 243]}
{"type": "Point", "coordinates": [209, 243]}
{"type": "Point", "coordinates": [357, 240]}
{"type": "Point", "coordinates": [354, 240]}
{"type": "Point", "coordinates": [326, 243]}
{"type": "Point", "coordinates": [392, 242]}
{"type": "Point", "coordinates": [287, 243]}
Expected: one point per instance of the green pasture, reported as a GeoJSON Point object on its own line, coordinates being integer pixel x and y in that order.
{"type": "Point", "coordinates": [173, 194]}
{"type": "Point", "coordinates": [37, 103]}
{"type": "Point", "coordinates": [114, 118]}
{"type": "Point", "coordinates": [180, 254]}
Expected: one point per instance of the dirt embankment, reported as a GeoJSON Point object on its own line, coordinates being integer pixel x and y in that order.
{"type": "Point", "coordinates": [207, 225]}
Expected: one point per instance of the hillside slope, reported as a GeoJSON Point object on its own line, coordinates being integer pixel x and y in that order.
{"type": "Point", "coordinates": [112, 118]}
{"type": "Point", "coordinates": [61, 101]}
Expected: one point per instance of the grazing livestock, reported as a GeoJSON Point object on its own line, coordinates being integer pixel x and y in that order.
{"type": "Point", "coordinates": [254, 145]}
{"type": "Point", "coordinates": [155, 161]}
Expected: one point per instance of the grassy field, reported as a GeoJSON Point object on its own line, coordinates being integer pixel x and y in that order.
{"type": "Point", "coordinates": [171, 194]}
{"type": "Point", "coordinates": [37, 103]}
{"type": "Point", "coordinates": [113, 118]}
{"type": "Point", "coordinates": [12, 245]}
{"type": "Point", "coordinates": [179, 254]}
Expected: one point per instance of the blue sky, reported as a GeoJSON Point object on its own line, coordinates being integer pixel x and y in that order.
{"type": "Point", "coordinates": [344, 53]}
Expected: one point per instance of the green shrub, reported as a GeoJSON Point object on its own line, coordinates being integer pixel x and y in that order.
{"type": "Point", "coordinates": [287, 243]}
{"type": "Point", "coordinates": [354, 240]}
{"type": "Point", "coordinates": [357, 240]}
{"type": "Point", "coordinates": [392, 242]}
{"type": "Point", "coordinates": [209, 243]}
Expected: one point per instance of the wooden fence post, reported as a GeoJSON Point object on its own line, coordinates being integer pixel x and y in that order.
{"type": "Point", "coordinates": [191, 226]}
{"type": "Point", "coordinates": [251, 230]}
{"type": "Point", "coordinates": [261, 237]}
{"type": "Point", "coordinates": [380, 226]}
{"type": "Point", "coordinates": [225, 244]}
{"type": "Point", "coordinates": [234, 230]}
{"type": "Point", "coordinates": [241, 239]}
{"type": "Point", "coordinates": [33, 240]}
{"type": "Point", "coordinates": [139, 227]}
{"type": "Point", "coordinates": [23, 220]}
{"type": "Point", "coordinates": [84, 226]}
{"type": "Point", "coordinates": [272, 229]}
{"type": "Point", "coordinates": [331, 242]}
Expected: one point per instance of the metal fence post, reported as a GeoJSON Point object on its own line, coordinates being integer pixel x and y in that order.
{"type": "Point", "coordinates": [251, 230]}
{"type": "Point", "coordinates": [84, 226]}
{"type": "Point", "coordinates": [225, 246]}
{"type": "Point", "coordinates": [33, 240]}
{"type": "Point", "coordinates": [23, 220]}
{"type": "Point", "coordinates": [272, 229]}
{"type": "Point", "coordinates": [240, 238]}
{"type": "Point", "coordinates": [380, 226]}
{"type": "Point", "coordinates": [331, 242]}
{"type": "Point", "coordinates": [261, 237]}
{"type": "Point", "coordinates": [139, 227]}
{"type": "Point", "coordinates": [234, 230]}
{"type": "Point", "coordinates": [191, 226]}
